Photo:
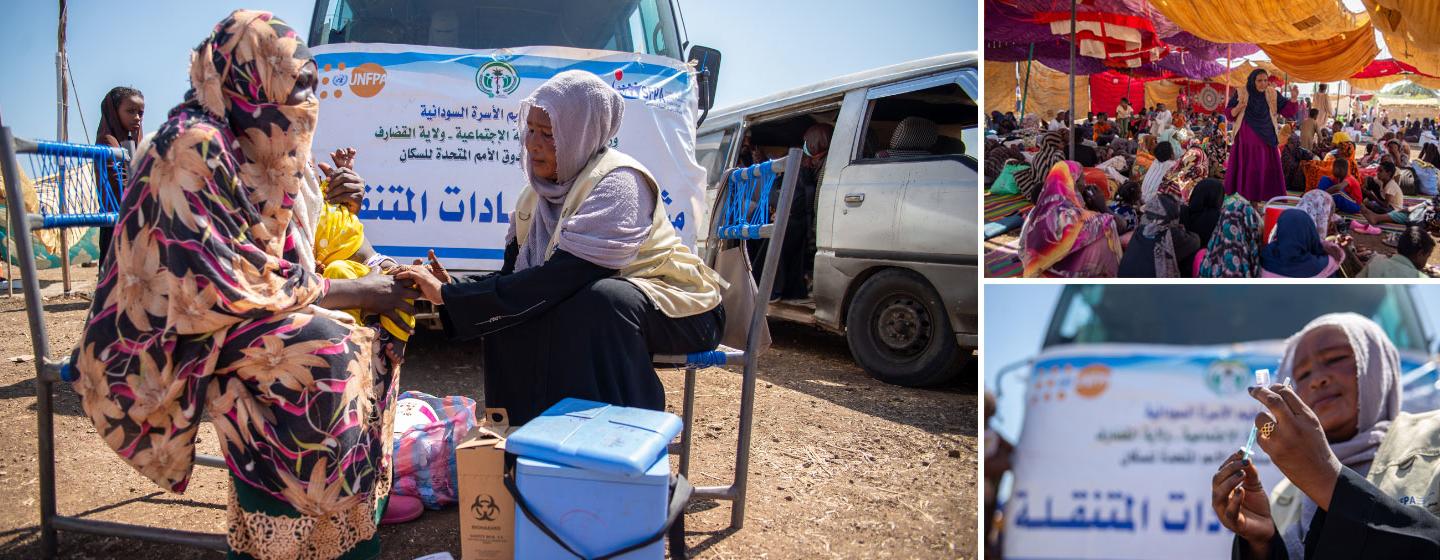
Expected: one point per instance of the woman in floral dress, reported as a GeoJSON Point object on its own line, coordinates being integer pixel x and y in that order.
{"type": "Point", "coordinates": [210, 305]}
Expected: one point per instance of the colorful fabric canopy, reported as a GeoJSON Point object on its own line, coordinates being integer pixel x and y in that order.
{"type": "Point", "coordinates": [1258, 21]}
{"type": "Point", "coordinates": [1326, 60]}
{"type": "Point", "coordinates": [1410, 31]}
{"type": "Point", "coordinates": [1050, 92]}
{"type": "Point", "coordinates": [1162, 91]}
{"type": "Point", "coordinates": [1381, 73]}
{"type": "Point", "coordinates": [1000, 86]}
{"type": "Point", "coordinates": [1107, 88]}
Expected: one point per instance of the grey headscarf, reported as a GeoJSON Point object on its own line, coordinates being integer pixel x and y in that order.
{"type": "Point", "coordinates": [1377, 371]}
{"type": "Point", "coordinates": [585, 113]}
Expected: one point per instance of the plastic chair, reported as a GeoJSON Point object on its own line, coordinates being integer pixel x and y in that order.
{"type": "Point", "coordinates": [1273, 208]}
{"type": "Point", "coordinates": [743, 215]}
{"type": "Point", "coordinates": [80, 198]}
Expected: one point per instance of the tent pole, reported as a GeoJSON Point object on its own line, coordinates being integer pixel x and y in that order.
{"type": "Point", "coordinates": [1071, 113]}
{"type": "Point", "coordinates": [1025, 93]}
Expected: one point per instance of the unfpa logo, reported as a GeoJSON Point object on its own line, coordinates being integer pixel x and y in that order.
{"type": "Point", "coordinates": [365, 80]}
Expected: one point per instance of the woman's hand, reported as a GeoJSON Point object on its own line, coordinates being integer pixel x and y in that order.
{"type": "Point", "coordinates": [437, 269]}
{"type": "Point", "coordinates": [1240, 502]}
{"type": "Point", "coordinates": [346, 187]}
{"type": "Point", "coordinates": [426, 281]}
{"type": "Point", "coordinates": [387, 295]}
{"type": "Point", "coordinates": [1297, 443]}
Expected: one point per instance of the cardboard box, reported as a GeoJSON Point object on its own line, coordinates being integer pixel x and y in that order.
{"type": "Point", "coordinates": [487, 511]}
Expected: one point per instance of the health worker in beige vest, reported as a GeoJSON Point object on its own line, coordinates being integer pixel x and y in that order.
{"type": "Point", "coordinates": [595, 279]}
{"type": "Point", "coordinates": [1362, 478]}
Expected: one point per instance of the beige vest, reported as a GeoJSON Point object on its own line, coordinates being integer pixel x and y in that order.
{"type": "Point", "coordinates": [674, 278]}
{"type": "Point", "coordinates": [1406, 467]}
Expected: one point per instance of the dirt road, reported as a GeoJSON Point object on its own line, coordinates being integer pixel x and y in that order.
{"type": "Point", "coordinates": [843, 466]}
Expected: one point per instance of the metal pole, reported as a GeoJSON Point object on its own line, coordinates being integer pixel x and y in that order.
{"type": "Point", "coordinates": [1071, 113]}
{"type": "Point", "coordinates": [9, 252]}
{"type": "Point", "coordinates": [41, 345]}
{"type": "Point", "coordinates": [63, 134]}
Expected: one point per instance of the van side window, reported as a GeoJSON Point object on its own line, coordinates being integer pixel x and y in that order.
{"type": "Point", "coordinates": [936, 122]}
{"type": "Point", "coordinates": [711, 152]}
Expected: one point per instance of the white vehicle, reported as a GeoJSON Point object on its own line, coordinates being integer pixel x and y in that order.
{"type": "Point", "coordinates": [894, 262]}
{"type": "Point", "coordinates": [1138, 394]}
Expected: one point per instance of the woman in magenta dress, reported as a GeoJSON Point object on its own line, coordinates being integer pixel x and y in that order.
{"type": "Point", "coordinates": [1253, 168]}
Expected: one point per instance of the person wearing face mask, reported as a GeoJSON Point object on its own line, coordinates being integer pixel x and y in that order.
{"type": "Point", "coordinates": [121, 114]}
{"type": "Point", "coordinates": [1360, 475]}
{"type": "Point", "coordinates": [211, 306]}
{"type": "Point", "coordinates": [595, 279]}
{"type": "Point", "coordinates": [797, 250]}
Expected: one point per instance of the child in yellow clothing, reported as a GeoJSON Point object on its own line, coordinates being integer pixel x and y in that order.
{"type": "Point", "coordinates": [339, 237]}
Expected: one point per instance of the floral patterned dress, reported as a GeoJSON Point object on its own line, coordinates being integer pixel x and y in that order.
{"type": "Point", "coordinates": [205, 308]}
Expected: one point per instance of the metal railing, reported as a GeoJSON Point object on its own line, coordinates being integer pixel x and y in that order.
{"type": "Point", "coordinates": [90, 203]}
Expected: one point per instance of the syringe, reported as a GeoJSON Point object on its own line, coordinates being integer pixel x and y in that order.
{"type": "Point", "coordinates": [1262, 379]}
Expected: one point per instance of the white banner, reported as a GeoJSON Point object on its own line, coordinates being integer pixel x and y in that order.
{"type": "Point", "coordinates": [1119, 445]}
{"type": "Point", "coordinates": [1118, 448]}
{"type": "Point", "coordinates": [437, 133]}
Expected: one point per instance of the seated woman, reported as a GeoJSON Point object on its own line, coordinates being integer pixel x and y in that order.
{"type": "Point", "coordinates": [212, 307]}
{"type": "Point", "coordinates": [595, 281]}
{"type": "Point", "coordinates": [1321, 209]}
{"type": "Point", "coordinates": [1296, 250]}
{"type": "Point", "coordinates": [1031, 180]}
{"type": "Point", "coordinates": [1202, 212]}
{"type": "Point", "coordinates": [1234, 249]}
{"type": "Point", "coordinates": [1358, 471]}
{"type": "Point", "coordinates": [1161, 247]}
{"type": "Point", "coordinates": [1062, 237]}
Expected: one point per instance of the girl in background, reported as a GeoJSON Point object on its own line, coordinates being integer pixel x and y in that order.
{"type": "Point", "coordinates": [121, 114]}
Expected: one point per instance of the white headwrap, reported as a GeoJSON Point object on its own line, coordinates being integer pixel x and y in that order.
{"type": "Point", "coordinates": [585, 113]}
{"type": "Point", "coordinates": [1377, 372]}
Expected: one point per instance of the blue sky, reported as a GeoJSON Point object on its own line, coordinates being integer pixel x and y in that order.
{"type": "Point", "coordinates": [767, 46]}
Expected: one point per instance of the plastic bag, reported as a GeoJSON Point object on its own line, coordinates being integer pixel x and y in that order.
{"type": "Point", "coordinates": [1005, 183]}
{"type": "Point", "coordinates": [427, 429]}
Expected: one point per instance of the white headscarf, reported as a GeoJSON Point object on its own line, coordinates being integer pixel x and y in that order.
{"type": "Point", "coordinates": [585, 113]}
{"type": "Point", "coordinates": [1377, 372]}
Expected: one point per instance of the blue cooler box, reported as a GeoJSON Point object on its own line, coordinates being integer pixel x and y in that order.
{"type": "Point", "coordinates": [596, 436]}
{"type": "Point", "coordinates": [596, 512]}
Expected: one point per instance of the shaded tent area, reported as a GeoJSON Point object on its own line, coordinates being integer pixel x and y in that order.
{"type": "Point", "coordinates": [1050, 57]}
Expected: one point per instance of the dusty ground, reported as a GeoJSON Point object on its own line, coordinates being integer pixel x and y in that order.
{"type": "Point", "coordinates": [843, 466]}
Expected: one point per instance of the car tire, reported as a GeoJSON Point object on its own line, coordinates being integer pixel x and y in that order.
{"type": "Point", "coordinates": [898, 330]}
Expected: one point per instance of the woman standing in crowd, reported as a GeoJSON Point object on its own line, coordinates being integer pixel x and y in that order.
{"type": "Point", "coordinates": [1254, 168]}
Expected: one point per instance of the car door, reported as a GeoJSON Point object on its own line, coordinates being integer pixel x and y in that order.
{"type": "Point", "coordinates": [914, 206]}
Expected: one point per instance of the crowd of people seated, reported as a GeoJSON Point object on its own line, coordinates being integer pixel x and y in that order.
{"type": "Point", "coordinates": [1161, 193]}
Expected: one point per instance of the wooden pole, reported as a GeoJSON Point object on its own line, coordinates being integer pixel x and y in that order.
{"type": "Point", "coordinates": [1025, 93]}
{"type": "Point", "coordinates": [63, 134]}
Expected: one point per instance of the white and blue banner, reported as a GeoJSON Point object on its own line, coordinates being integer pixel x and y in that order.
{"type": "Point", "coordinates": [437, 134]}
{"type": "Point", "coordinates": [1119, 444]}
